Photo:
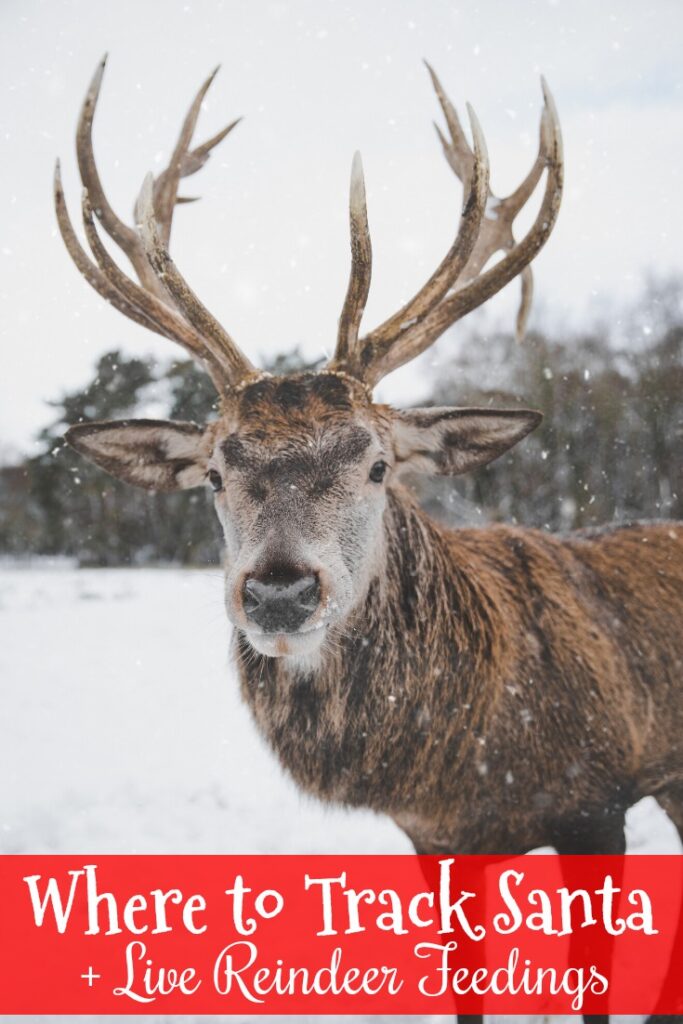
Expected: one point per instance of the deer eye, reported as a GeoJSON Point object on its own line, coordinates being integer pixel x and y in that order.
{"type": "Point", "coordinates": [215, 480]}
{"type": "Point", "coordinates": [377, 471]}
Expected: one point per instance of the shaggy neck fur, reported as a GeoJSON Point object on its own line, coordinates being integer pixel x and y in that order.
{"type": "Point", "coordinates": [487, 669]}
{"type": "Point", "coordinates": [401, 675]}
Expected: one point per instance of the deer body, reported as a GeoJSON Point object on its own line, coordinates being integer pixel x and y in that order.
{"type": "Point", "coordinates": [495, 688]}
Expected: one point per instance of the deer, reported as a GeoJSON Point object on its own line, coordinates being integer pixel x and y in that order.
{"type": "Point", "coordinates": [492, 689]}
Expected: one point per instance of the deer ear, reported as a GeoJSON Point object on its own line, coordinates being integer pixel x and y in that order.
{"type": "Point", "coordinates": [154, 454]}
{"type": "Point", "coordinates": [452, 441]}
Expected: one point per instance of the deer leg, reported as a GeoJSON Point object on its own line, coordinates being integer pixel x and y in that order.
{"type": "Point", "coordinates": [426, 848]}
{"type": "Point", "coordinates": [605, 836]}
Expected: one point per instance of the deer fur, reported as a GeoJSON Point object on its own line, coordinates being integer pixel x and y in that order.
{"type": "Point", "coordinates": [495, 689]}
{"type": "Point", "coordinates": [526, 702]}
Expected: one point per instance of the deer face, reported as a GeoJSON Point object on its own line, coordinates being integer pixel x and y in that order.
{"type": "Point", "coordinates": [300, 468]}
{"type": "Point", "coordinates": [299, 472]}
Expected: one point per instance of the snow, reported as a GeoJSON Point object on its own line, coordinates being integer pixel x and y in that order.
{"type": "Point", "coordinates": [491, 211]}
{"type": "Point", "coordinates": [123, 729]}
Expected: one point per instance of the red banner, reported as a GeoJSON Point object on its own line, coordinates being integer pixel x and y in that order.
{"type": "Point", "coordinates": [340, 934]}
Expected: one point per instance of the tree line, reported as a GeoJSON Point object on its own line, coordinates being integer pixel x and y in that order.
{"type": "Point", "coordinates": [610, 447]}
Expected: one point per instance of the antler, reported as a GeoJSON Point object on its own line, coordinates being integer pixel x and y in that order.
{"type": "Point", "coordinates": [161, 301]}
{"type": "Point", "coordinates": [458, 285]}
{"type": "Point", "coordinates": [361, 265]}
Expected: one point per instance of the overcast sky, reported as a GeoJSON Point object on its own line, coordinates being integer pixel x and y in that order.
{"type": "Point", "coordinates": [267, 247]}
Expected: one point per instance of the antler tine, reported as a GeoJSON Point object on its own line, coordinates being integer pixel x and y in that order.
{"type": "Point", "coordinates": [129, 298]}
{"type": "Point", "coordinates": [455, 260]}
{"type": "Point", "coordinates": [496, 233]}
{"type": "Point", "coordinates": [457, 150]}
{"type": "Point", "coordinates": [167, 320]}
{"type": "Point", "coordinates": [123, 235]}
{"type": "Point", "coordinates": [197, 157]}
{"type": "Point", "coordinates": [235, 365]}
{"type": "Point", "coordinates": [90, 271]}
{"type": "Point", "coordinates": [183, 162]}
{"type": "Point", "coordinates": [361, 268]}
{"type": "Point", "coordinates": [200, 154]}
{"type": "Point", "coordinates": [166, 185]}
{"type": "Point", "coordinates": [384, 355]}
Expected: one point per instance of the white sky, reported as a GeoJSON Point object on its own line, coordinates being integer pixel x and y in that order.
{"type": "Point", "coordinates": [267, 248]}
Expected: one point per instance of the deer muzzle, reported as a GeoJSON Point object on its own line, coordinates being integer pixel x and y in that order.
{"type": "Point", "coordinates": [280, 601]}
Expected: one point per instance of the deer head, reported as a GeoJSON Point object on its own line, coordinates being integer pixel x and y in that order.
{"type": "Point", "coordinates": [301, 465]}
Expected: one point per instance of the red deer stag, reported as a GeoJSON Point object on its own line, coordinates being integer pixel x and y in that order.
{"type": "Point", "coordinates": [491, 690]}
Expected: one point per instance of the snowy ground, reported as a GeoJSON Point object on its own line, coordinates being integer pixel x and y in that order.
{"type": "Point", "coordinates": [122, 729]}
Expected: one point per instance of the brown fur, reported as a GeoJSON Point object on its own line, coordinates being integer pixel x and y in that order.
{"type": "Point", "coordinates": [499, 689]}
{"type": "Point", "coordinates": [493, 690]}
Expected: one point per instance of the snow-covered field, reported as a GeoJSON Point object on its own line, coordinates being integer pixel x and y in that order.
{"type": "Point", "coordinates": [123, 731]}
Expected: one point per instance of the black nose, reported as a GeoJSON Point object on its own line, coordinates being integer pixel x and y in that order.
{"type": "Point", "coordinates": [280, 601]}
